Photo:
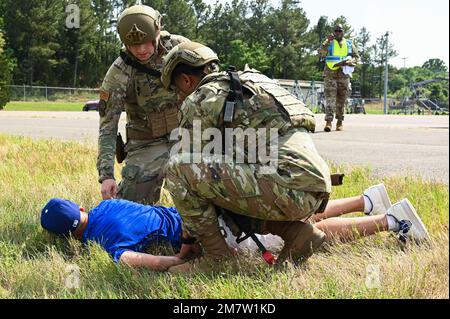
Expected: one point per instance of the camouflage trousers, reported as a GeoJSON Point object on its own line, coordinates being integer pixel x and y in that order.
{"type": "Point", "coordinates": [197, 189]}
{"type": "Point", "coordinates": [336, 95]}
{"type": "Point", "coordinates": [142, 175]}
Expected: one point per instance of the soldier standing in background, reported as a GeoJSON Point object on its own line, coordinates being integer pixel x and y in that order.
{"type": "Point", "coordinates": [133, 84]}
{"type": "Point", "coordinates": [340, 53]}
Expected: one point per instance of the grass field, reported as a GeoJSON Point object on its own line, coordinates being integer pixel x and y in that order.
{"type": "Point", "coordinates": [35, 264]}
{"type": "Point", "coordinates": [374, 110]}
{"type": "Point", "coordinates": [44, 106]}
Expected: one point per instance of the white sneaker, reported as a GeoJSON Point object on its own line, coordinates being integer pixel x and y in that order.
{"type": "Point", "coordinates": [410, 224]}
{"type": "Point", "coordinates": [379, 199]}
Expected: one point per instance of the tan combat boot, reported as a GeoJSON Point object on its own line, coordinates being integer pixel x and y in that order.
{"type": "Point", "coordinates": [339, 126]}
{"type": "Point", "coordinates": [215, 249]}
{"type": "Point", "coordinates": [213, 243]}
{"type": "Point", "coordinates": [328, 126]}
{"type": "Point", "coordinates": [301, 239]}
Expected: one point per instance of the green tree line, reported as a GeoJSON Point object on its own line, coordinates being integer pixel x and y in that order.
{"type": "Point", "coordinates": [40, 49]}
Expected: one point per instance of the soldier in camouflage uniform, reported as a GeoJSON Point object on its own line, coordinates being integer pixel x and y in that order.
{"type": "Point", "coordinates": [338, 52]}
{"type": "Point", "coordinates": [133, 84]}
{"type": "Point", "coordinates": [279, 198]}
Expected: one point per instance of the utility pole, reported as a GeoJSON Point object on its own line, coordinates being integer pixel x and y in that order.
{"type": "Point", "coordinates": [404, 62]}
{"type": "Point", "coordinates": [386, 74]}
{"type": "Point", "coordinates": [405, 98]}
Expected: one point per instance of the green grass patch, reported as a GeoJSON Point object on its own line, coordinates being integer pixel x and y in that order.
{"type": "Point", "coordinates": [374, 111]}
{"type": "Point", "coordinates": [35, 264]}
{"type": "Point", "coordinates": [44, 106]}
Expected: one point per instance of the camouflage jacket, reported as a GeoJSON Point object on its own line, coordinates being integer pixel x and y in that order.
{"type": "Point", "coordinates": [145, 101]}
{"type": "Point", "coordinates": [266, 105]}
{"type": "Point", "coordinates": [323, 52]}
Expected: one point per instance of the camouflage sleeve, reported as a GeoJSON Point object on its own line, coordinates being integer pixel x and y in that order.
{"type": "Point", "coordinates": [177, 39]}
{"type": "Point", "coordinates": [204, 105]}
{"type": "Point", "coordinates": [112, 95]}
{"type": "Point", "coordinates": [355, 55]}
{"type": "Point", "coordinates": [169, 41]}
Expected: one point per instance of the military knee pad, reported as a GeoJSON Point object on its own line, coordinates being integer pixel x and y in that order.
{"type": "Point", "coordinates": [307, 243]}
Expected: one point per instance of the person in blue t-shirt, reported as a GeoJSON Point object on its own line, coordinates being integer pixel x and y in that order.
{"type": "Point", "coordinates": [126, 229]}
{"type": "Point", "coordinates": [123, 228]}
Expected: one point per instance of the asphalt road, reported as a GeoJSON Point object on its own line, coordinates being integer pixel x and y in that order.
{"type": "Point", "coordinates": [390, 145]}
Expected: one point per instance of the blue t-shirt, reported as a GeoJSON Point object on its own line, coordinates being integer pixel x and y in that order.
{"type": "Point", "coordinates": [120, 225]}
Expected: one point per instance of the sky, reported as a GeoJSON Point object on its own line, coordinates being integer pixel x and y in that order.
{"type": "Point", "coordinates": [419, 29]}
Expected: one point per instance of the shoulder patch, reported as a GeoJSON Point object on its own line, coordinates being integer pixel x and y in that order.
{"type": "Point", "coordinates": [104, 95]}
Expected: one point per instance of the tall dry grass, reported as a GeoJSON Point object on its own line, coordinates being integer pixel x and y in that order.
{"type": "Point", "coordinates": [35, 264]}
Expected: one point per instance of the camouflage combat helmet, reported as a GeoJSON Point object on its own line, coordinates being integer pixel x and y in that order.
{"type": "Point", "coordinates": [138, 24]}
{"type": "Point", "coordinates": [189, 53]}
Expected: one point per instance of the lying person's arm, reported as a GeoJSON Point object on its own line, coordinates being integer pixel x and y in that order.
{"type": "Point", "coordinates": [156, 263]}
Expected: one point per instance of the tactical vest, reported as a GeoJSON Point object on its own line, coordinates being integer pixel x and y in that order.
{"type": "Point", "coordinates": [155, 112]}
{"type": "Point", "coordinates": [266, 103]}
{"type": "Point", "coordinates": [336, 53]}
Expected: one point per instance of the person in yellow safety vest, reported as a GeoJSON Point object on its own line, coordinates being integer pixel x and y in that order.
{"type": "Point", "coordinates": [340, 54]}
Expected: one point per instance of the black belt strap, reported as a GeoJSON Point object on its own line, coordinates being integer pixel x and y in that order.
{"type": "Point", "coordinates": [245, 228]}
{"type": "Point", "coordinates": [129, 61]}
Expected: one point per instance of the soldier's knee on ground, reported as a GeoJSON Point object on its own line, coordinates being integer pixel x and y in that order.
{"type": "Point", "coordinates": [213, 242]}
{"type": "Point", "coordinates": [301, 239]}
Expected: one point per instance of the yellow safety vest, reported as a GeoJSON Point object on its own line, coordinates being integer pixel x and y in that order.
{"type": "Point", "coordinates": [336, 53]}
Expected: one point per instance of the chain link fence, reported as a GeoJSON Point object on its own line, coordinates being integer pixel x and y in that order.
{"type": "Point", "coordinates": [26, 93]}
{"type": "Point", "coordinates": [309, 92]}
{"type": "Point", "coordinates": [406, 106]}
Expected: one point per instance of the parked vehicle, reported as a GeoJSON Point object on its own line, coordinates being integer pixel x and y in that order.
{"type": "Point", "coordinates": [91, 106]}
{"type": "Point", "coordinates": [355, 103]}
